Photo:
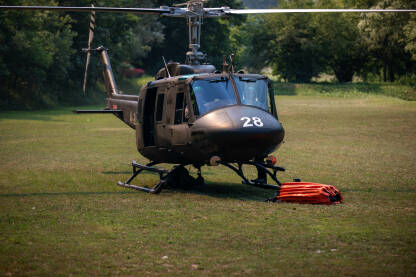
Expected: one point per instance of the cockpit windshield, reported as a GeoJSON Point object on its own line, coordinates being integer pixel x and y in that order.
{"type": "Point", "coordinates": [253, 92]}
{"type": "Point", "coordinates": [212, 94]}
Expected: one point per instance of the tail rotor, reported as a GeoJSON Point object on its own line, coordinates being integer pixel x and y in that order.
{"type": "Point", "coordinates": [88, 50]}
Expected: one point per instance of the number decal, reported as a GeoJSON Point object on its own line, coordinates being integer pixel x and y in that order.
{"type": "Point", "coordinates": [256, 122]}
{"type": "Point", "coordinates": [247, 123]}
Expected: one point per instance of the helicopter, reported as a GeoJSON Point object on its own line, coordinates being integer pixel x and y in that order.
{"type": "Point", "coordinates": [194, 114]}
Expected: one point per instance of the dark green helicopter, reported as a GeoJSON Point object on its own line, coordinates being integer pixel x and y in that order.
{"type": "Point", "coordinates": [192, 113]}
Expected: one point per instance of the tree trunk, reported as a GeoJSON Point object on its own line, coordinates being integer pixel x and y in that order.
{"type": "Point", "coordinates": [391, 72]}
{"type": "Point", "coordinates": [343, 74]}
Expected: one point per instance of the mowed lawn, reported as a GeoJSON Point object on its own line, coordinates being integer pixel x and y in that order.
{"type": "Point", "coordinates": [61, 213]}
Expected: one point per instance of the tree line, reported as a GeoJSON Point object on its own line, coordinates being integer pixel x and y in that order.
{"type": "Point", "coordinates": [41, 64]}
{"type": "Point", "coordinates": [301, 46]}
{"type": "Point", "coordinates": [40, 59]}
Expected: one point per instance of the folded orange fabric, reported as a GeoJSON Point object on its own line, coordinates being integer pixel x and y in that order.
{"type": "Point", "coordinates": [309, 193]}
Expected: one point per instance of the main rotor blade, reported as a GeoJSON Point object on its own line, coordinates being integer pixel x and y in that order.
{"type": "Point", "coordinates": [90, 9]}
{"type": "Point", "coordinates": [265, 11]}
{"type": "Point", "coordinates": [90, 38]}
{"type": "Point", "coordinates": [181, 12]}
{"type": "Point", "coordinates": [84, 86]}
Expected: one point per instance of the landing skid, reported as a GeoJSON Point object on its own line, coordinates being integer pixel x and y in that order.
{"type": "Point", "coordinates": [178, 175]}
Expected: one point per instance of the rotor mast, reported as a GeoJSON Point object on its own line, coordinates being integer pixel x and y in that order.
{"type": "Point", "coordinates": [195, 18]}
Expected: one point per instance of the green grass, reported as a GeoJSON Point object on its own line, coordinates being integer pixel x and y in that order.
{"type": "Point", "coordinates": [347, 90]}
{"type": "Point", "coordinates": [61, 213]}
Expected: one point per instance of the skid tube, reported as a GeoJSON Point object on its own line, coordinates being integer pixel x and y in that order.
{"type": "Point", "coordinates": [267, 169]}
{"type": "Point", "coordinates": [178, 175]}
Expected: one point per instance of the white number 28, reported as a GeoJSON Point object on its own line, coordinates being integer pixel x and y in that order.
{"type": "Point", "coordinates": [250, 122]}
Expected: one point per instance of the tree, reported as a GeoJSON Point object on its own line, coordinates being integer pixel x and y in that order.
{"type": "Point", "coordinates": [35, 51]}
{"type": "Point", "coordinates": [340, 40]}
{"type": "Point", "coordinates": [255, 43]}
{"type": "Point", "coordinates": [410, 36]}
{"type": "Point", "coordinates": [289, 43]}
{"type": "Point", "coordinates": [385, 37]}
{"type": "Point", "coordinates": [297, 56]}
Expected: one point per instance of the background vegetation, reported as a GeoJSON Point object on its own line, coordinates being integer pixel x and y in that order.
{"type": "Point", "coordinates": [41, 64]}
{"type": "Point", "coordinates": [301, 46]}
{"type": "Point", "coordinates": [62, 214]}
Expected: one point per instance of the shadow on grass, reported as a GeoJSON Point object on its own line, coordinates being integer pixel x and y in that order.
{"type": "Point", "coordinates": [229, 191]}
{"type": "Point", "coordinates": [65, 193]}
{"type": "Point", "coordinates": [143, 172]}
{"type": "Point", "coordinates": [116, 172]}
{"type": "Point", "coordinates": [217, 190]}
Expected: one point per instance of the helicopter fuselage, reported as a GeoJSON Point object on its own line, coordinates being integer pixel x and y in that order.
{"type": "Point", "coordinates": [189, 119]}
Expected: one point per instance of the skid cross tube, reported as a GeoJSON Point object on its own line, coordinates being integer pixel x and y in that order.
{"type": "Point", "coordinates": [137, 169]}
{"type": "Point", "coordinates": [263, 166]}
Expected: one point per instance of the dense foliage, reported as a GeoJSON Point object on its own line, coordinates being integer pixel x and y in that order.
{"type": "Point", "coordinates": [301, 46]}
{"type": "Point", "coordinates": [40, 59]}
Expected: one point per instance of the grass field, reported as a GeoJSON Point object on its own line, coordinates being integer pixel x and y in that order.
{"type": "Point", "coordinates": [61, 213]}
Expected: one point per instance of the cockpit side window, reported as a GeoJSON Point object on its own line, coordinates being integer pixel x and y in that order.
{"type": "Point", "coordinates": [271, 100]}
{"type": "Point", "coordinates": [213, 94]}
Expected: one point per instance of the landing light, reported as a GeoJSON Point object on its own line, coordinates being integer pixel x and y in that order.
{"type": "Point", "coordinates": [214, 160]}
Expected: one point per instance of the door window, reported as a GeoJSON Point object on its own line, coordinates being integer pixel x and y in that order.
{"type": "Point", "coordinates": [179, 107]}
{"type": "Point", "coordinates": [159, 107]}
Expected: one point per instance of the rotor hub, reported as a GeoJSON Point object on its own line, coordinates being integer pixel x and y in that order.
{"type": "Point", "coordinates": [196, 6]}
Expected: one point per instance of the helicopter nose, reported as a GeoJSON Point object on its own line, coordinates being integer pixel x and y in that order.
{"type": "Point", "coordinates": [238, 133]}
